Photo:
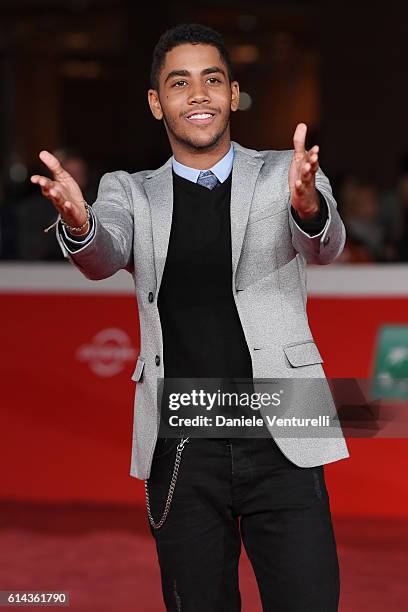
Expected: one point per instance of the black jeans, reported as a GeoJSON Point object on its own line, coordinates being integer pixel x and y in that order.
{"type": "Point", "coordinates": [233, 489]}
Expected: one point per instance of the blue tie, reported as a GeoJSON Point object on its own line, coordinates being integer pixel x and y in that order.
{"type": "Point", "coordinates": [207, 179]}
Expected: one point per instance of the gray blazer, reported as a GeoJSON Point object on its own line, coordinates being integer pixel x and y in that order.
{"type": "Point", "coordinates": [133, 215]}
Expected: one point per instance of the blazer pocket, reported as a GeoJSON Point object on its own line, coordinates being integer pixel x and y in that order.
{"type": "Point", "coordinates": [268, 211]}
{"type": "Point", "coordinates": [302, 354]}
{"type": "Point", "coordinates": [138, 373]}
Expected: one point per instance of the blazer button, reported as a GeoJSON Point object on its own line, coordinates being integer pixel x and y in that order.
{"type": "Point", "coordinates": [326, 241]}
{"type": "Point", "coordinates": [151, 297]}
{"type": "Point", "coordinates": [157, 360]}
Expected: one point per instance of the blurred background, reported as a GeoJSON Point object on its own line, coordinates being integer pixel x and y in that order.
{"type": "Point", "coordinates": [74, 76]}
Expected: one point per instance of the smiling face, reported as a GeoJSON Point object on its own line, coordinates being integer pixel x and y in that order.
{"type": "Point", "coordinates": [195, 99]}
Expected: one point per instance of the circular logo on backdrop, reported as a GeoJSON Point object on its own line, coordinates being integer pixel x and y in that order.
{"type": "Point", "coordinates": [108, 352]}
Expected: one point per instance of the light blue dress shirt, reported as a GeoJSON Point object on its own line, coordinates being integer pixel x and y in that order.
{"type": "Point", "coordinates": [221, 169]}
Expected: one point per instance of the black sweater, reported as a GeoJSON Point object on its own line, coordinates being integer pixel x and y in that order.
{"type": "Point", "coordinates": [202, 333]}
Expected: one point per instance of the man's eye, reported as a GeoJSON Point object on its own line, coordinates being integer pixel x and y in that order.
{"type": "Point", "coordinates": [178, 83]}
{"type": "Point", "coordinates": [214, 80]}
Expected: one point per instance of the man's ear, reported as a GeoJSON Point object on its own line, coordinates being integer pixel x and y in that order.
{"type": "Point", "coordinates": [234, 95]}
{"type": "Point", "coordinates": [154, 103]}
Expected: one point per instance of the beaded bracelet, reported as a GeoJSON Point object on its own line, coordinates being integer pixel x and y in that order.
{"type": "Point", "coordinates": [69, 227]}
{"type": "Point", "coordinates": [79, 227]}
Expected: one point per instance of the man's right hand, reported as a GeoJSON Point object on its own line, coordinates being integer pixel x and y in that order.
{"type": "Point", "coordinates": [64, 193]}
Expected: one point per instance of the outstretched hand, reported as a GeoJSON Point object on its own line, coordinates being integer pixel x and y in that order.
{"type": "Point", "coordinates": [64, 192]}
{"type": "Point", "coordinates": [304, 197]}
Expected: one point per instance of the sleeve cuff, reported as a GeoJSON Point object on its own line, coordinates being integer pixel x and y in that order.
{"type": "Point", "coordinates": [80, 241]}
{"type": "Point", "coordinates": [316, 225]}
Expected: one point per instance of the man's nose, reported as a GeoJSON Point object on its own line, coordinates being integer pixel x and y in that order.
{"type": "Point", "coordinates": [199, 93]}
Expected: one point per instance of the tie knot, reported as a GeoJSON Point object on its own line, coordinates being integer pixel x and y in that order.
{"type": "Point", "coordinates": [207, 179]}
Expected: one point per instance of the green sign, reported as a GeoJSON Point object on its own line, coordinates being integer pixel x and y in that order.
{"type": "Point", "coordinates": [390, 378]}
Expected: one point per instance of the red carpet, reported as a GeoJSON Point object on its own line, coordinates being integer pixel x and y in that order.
{"type": "Point", "coordinates": [105, 558]}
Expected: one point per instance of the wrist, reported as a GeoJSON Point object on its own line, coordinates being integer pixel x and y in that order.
{"type": "Point", "coordinates": [307, 213]}
{"type": "Point", "coordinates": [82, 232]}
{"type": "Point", "coordinates": [79, 230]}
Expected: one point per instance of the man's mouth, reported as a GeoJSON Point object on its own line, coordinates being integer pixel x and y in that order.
{"type": "Point", "coordinates": [200, 118]}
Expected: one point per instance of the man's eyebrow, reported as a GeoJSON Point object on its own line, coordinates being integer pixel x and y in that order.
{"type": "Point", "coordinates": [210, 70]}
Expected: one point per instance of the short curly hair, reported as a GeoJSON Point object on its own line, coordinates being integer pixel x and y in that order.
{"type": "Point", "coordinates": [193, 33]}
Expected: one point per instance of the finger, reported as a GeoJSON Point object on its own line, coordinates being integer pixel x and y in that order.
{"type": "Point", "coordinates": [315, 168]}
{"type": "Point", "coordinates": [52, 163]}
{"type": "Point", "coordinates": [314, 162]}
{"type": "Point", "coordinates": [306, 172]}
{"type": "Point", "coordinates": [45, 183]}
{"type": "Point", "coordinates": [300, 187]}
{"type": "Point", "coordinates": [299, 139]}
{"type": "Point", "coordinates": [45, 188]}
{"type": "Point", "coordinates": [56, 195]}
{"type": "Point", "coordinates": [45, 192]}
{"type": "Point", "coordinates": [40, 180]}
{"type": "Point", "coordinates": [314, 150]}
{"type": "Point", "coordinates": [50, 190]}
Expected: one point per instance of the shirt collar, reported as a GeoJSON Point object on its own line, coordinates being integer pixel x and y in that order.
{"type": "Point", "coordinates": [221, 169]}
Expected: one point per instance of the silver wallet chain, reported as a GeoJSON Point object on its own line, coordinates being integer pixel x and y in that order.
{"type": "Point", "coordinates": [172, 486]}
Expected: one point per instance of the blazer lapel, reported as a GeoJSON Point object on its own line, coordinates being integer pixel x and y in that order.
{"type": "Point", "coordinates": [245, 171]}
{"type": "Point", "coordinates": [159, 190]}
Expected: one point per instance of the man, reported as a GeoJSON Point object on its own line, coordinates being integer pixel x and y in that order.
{"type": "Point", "coordinates": [217, 240]}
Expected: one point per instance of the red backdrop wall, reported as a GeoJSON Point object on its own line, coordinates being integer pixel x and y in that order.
{"type": "Point", "coordinates": [67, 397]}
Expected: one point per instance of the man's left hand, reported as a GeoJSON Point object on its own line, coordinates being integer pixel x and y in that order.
{"type": "Point", "coordinates": [304, 197]}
